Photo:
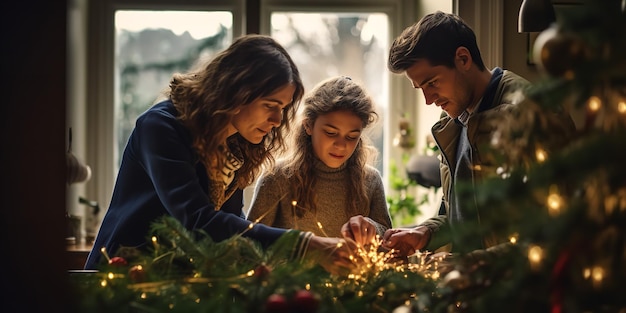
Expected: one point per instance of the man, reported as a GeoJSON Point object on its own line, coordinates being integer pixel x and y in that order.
{"type": "Point", "coordinates": [440, 56]}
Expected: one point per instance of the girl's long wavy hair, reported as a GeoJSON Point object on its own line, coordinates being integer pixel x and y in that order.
{"type": "Point", "coordinates": [334, 94]}
{"type": "Point", "coordinates": [253, 66]}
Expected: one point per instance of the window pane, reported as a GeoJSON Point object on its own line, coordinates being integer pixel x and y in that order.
{"type": "Point", "coordinates": [330, 44]}
{"type": "Point", "coordinates": [152, 45]}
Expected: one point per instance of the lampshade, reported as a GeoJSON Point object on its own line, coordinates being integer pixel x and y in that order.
{"type": "Point", "coordinates": [77, 171]}
{"type": "Point", "coordinates": [535, 16]}
{"type": "Point", "coordinates": [424, 170]}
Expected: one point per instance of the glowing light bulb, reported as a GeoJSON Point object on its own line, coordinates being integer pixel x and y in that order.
{"type": "Point", "coordinates": [554, 204]}
{"type": "Point", "coordinates": [597, 275]}
{"type": "Point", "coordinates": [541, 155]}
{"type": "Point", "coordinates": [535, 256]}
{"type": "Point", "coordinates": [621, 106]}
{"type": "Point", "coordinates": [155, 243]}
{"type": "Point", "coordinates": [594, 103]}
{"type": "Point", "coordinates": [554, 201]}
{"type": "Point", "coordinates": [103, 250]}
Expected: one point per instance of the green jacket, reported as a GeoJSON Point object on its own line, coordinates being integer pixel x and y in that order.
{"type": "Point", "coordinates": [509, 95]}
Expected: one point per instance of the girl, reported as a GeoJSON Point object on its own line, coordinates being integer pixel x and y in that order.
{"type": "Point", "coordinates": [327, 177]}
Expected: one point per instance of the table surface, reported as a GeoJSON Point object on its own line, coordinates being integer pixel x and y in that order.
{"type": "Point", "coordinates": [77, 254]}
{"type": "Point", "coordinates": [80, 247]}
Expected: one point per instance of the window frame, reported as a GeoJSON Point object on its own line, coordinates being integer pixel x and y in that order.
{"type": "Point", "coordinates": [101, 145]}
{"type": "Point", "coordinates": [399, 14]}
{"type": "Point", "coordinates": [249, 16]}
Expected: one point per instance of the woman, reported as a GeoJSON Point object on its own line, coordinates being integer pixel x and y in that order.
{"type": "Point", "coordinates": [191, 155]}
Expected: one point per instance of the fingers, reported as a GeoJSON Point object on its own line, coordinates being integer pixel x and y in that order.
{"type": "Point", "coordinates": [359, 229]}
{"type": "Point", "coordinates": [443, 262]}
{"type": "Point", "coordinates": [405, 241]}
{"type": "Point", "coordinates": [337, 256]}
{"type": "Point", "coordinates": [390, 238]}
{"type": "Point", "coordinates": [387, 235]}
{"type": "Point", "coordinates": [346, 231]}
{"type": "Point", "coordinates": [403, 249]}
{"type": "Point", "coordinates": [369, 233]}
{"type": "Point", "coordinates": [395, 239]}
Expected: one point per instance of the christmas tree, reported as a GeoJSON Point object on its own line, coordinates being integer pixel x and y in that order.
{"type": "Point", "coordinates": [564, 204]}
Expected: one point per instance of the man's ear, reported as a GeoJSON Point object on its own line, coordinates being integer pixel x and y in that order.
{"type": "Point", "coordinates": [463, 58]}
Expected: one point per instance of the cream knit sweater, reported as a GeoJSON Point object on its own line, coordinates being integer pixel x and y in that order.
{"type": "Point", "coordinates": [272, 202]}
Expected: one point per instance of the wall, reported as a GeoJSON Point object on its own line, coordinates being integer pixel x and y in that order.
{"type": "Point", "coordinates": [495, 24]}
{"type": "Point", "coordinates": [32, 131]}
{"type": "Point", "coordinates": [515, 44]}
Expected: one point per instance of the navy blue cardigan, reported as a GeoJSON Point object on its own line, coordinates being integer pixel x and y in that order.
{"type": "Point", "coordinates": [160, 174]}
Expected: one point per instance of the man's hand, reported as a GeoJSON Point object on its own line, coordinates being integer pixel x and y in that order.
{"type": "Point", "coordinates": [406, 241]}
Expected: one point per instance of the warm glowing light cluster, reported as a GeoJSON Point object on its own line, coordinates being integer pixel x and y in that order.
{"type": "Point", "coordinates": [596, 274]}
{"type": "Point", "coordinates": [371, 260]}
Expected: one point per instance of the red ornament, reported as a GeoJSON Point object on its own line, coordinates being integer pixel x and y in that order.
{"type": "Point", "coordinates": [276, 303]}
{"type": "Point", "coordinates": [262, 271]}
{"type": "Point", "coordinates": [137, 274]}
{"type": "Point", "coordinates": [305, 301]}
{"type": "Point", "coordinates": [118, 261]}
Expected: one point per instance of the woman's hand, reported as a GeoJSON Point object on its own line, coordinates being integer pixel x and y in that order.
{"type": "Point", "coordinates": [336, 255]}
{"type": "Point", "coordinates": [406, 241]}
{"type": "Point", "coordinates": [360, 230]}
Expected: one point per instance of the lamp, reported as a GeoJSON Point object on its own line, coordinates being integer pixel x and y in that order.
{"type": "Point", "coordinates": [424, 170]}
{"type": "Point", "coordinates": [535, 16]}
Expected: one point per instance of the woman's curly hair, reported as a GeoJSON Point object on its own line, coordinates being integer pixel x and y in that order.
{"type": "Point", "coordinates": [253, 66]}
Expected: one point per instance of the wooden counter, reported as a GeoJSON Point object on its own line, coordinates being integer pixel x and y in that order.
{"type": "Point", "coordinates": [77, 255]}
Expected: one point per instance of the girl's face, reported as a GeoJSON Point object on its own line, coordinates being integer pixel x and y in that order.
{"type": "Point", "coordinates": [255, 120]}
{"type": "Point", "coordinates": [334, 136]}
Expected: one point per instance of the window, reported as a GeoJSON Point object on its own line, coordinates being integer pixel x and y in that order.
{"type": "Point", "coordinates": [152, 45]}
{"type": "Point", "coordinates": [326, 44]}
{"type": "Point", "coordinates": [348, 37]}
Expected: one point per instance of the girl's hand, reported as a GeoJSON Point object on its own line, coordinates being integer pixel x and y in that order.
{"type": "Point", "coordinates": [359, 229]}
